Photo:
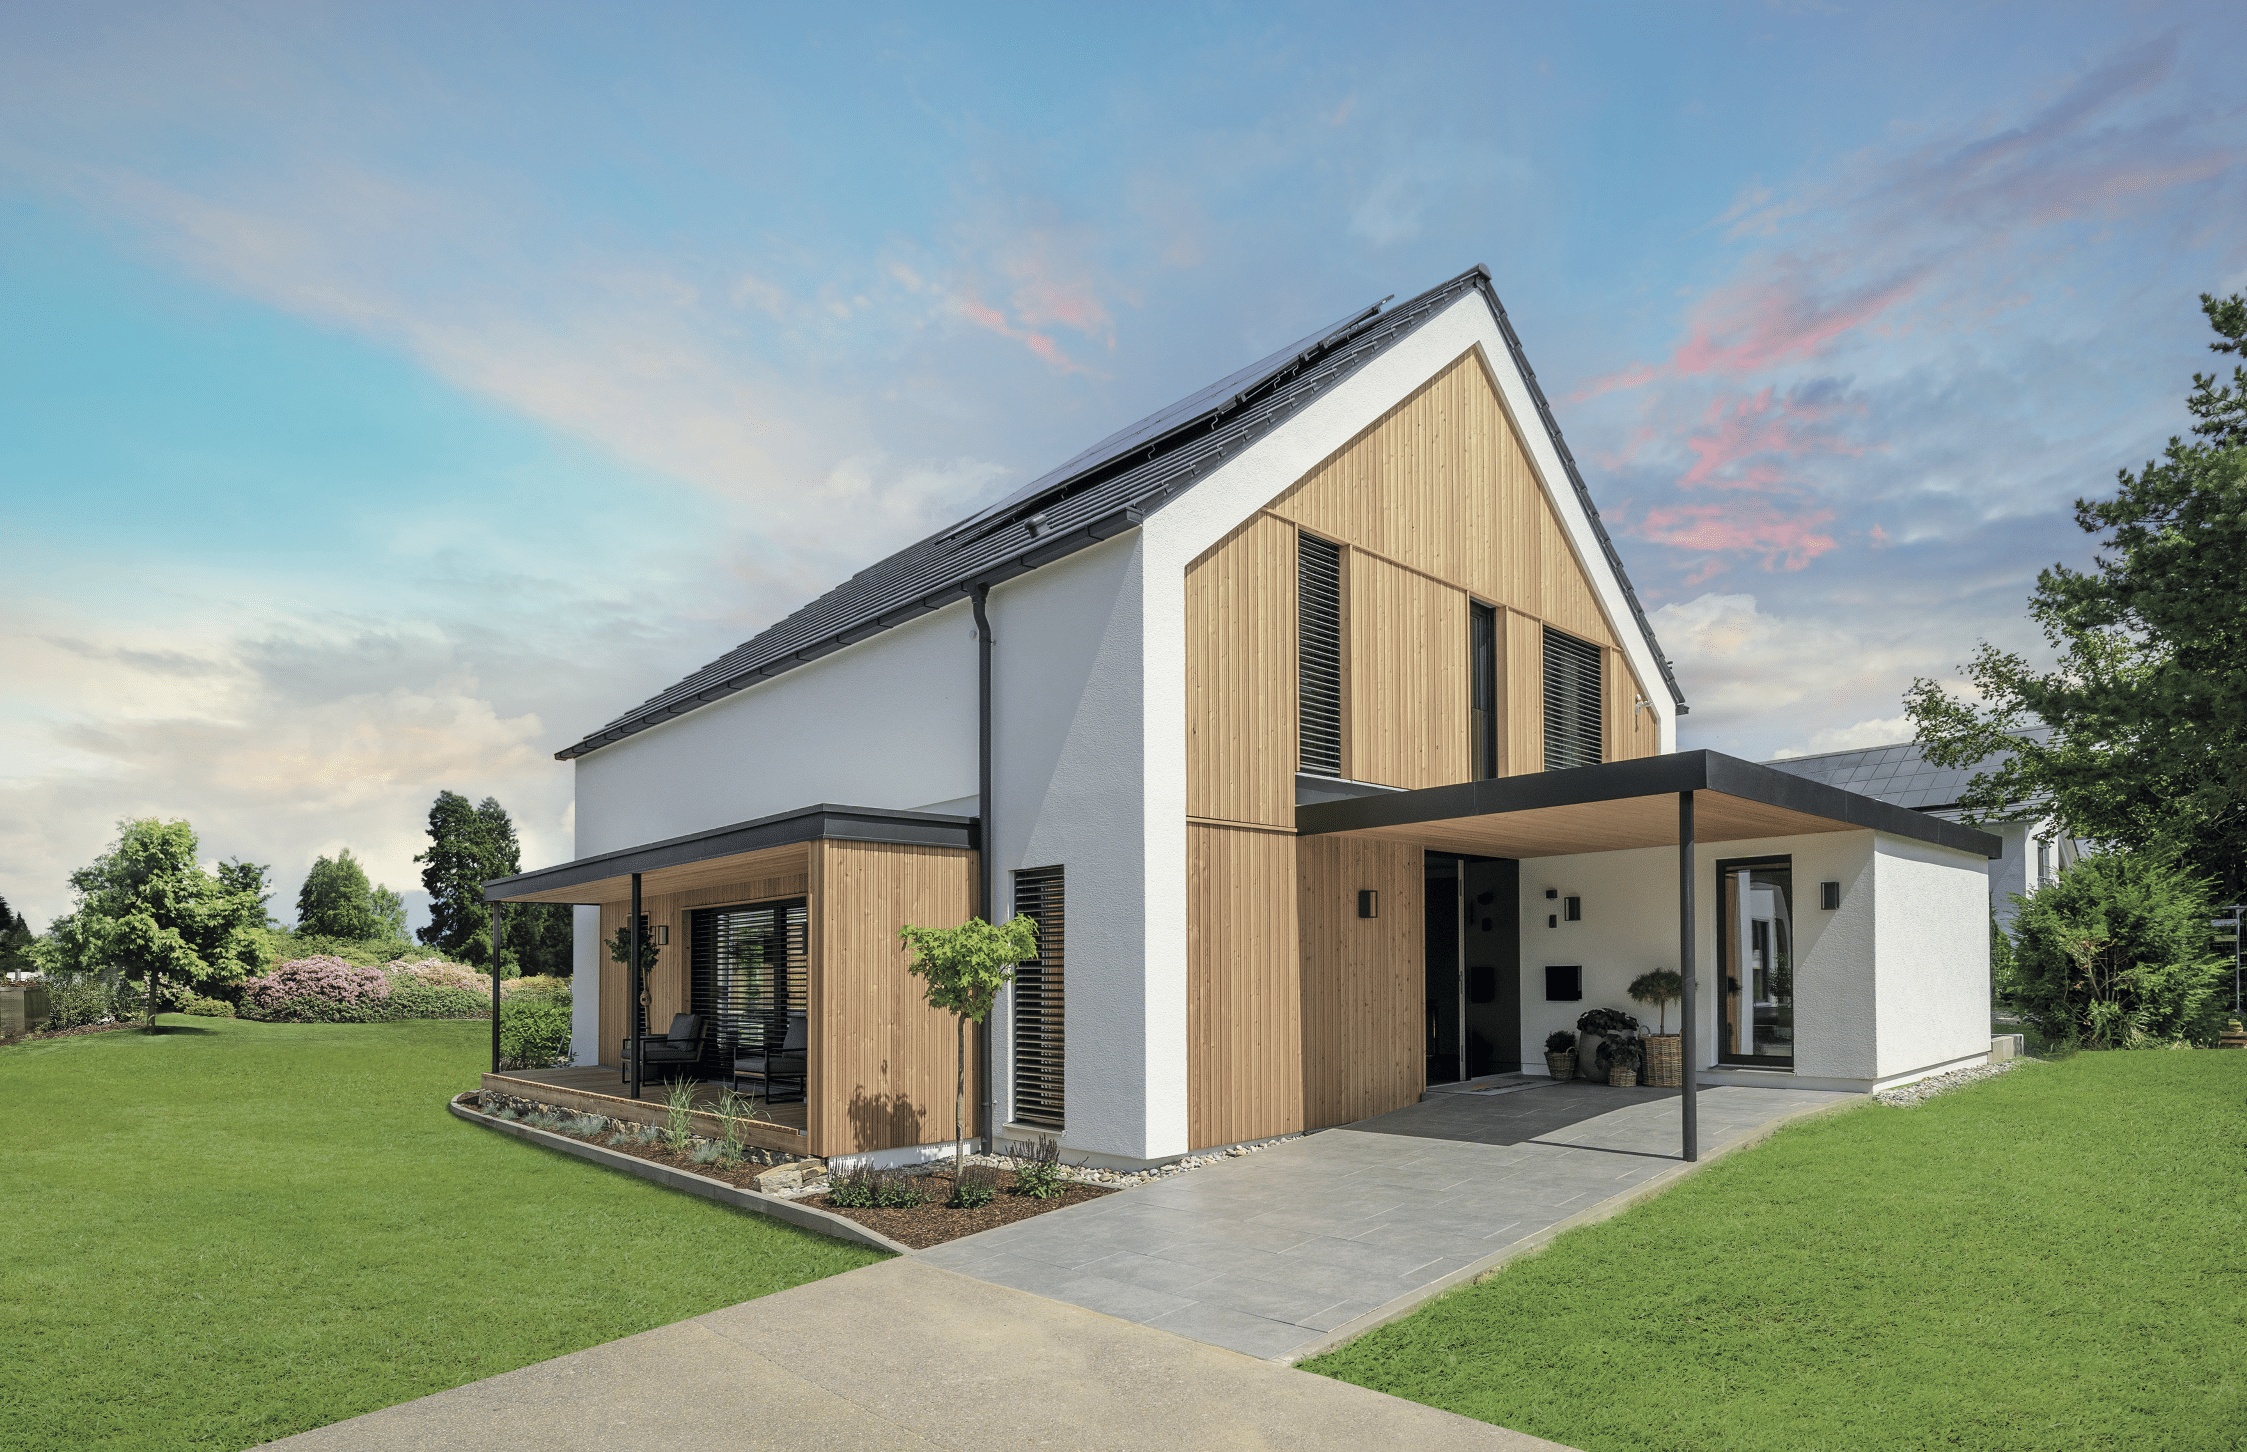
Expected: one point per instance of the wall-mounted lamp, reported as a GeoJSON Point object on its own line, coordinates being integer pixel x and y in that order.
{"type": "Point", "coordinates": [1575, 908]}
{"type": "Point", "coordinates": [1829, 895]}
{"type": "Point", "coordinates": [1552, 920]}
{"type": "Point", "coordinates": [1369, 902]}
{"type": "Point", "coordinates": [1551, 893]}
{"type": "Point", "coordinates": [660, 935]}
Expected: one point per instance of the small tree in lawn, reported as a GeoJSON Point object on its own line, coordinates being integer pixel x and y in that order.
{"type": "Point", "coordinates": [965, 967]}
{"type": "Point", "coordinates": [1660, 988]}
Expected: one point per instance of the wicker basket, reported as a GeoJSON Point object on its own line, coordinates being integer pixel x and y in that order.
{"type": "Point", "coordinates": [1622, 1078]}
{"type": "Point", "coordinates": [1561, 1066]}
{"type": "Point", "coordinates": [1665, 1062]}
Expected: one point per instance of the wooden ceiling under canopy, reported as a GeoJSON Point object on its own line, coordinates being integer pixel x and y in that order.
{"type": "Point", "coordinates": [1620, 805]}
{"type": "Point", "coordinates": [710, 872]}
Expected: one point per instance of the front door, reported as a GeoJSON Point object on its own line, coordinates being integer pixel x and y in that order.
{"type": "Point", "coordinates": [1473, 1014]}
{"type": "Point", "coordinates": [1755, 943]}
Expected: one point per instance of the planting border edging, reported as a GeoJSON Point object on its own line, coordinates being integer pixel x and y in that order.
{"type": "Point", "coordinates": [805, 1217]}
{"type": "Point", "coordinates": [1607, 1209]}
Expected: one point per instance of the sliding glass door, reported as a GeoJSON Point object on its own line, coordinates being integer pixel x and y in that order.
{"type": "Point", "coordinates": [1755, 944]}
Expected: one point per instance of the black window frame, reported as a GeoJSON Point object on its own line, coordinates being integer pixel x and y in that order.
{"type": "Point", "coordinates": [1037, 1017]}
{"type": "Point", "coordinates": [1575, 702]}
{"type": "Point", "coordinates": [1319, 652]}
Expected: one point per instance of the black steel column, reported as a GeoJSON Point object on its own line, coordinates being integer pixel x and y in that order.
{"type": "Point", "coordinates": [632, 1013]}
{"type": "Point", "coordinates": [1688, 1050]}
{"type": "Point", "coordinates": [495, 988]}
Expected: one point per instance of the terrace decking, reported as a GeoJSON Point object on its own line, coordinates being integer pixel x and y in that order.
{"type": "Point", "coordinates": [596, 1090]}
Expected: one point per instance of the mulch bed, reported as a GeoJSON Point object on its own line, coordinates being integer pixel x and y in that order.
{"type": "Point", "coordinates": [84, 1028]}
{"type": "Point", "coordinates": [933, 1224]}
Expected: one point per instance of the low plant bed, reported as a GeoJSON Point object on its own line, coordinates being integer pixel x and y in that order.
{"type": "Point", "coordinates": [933, 1223]}
{"type": "Point", "coordinates": [84, 1028]}
{"type": "Point", "coordinates": [644, 1141]}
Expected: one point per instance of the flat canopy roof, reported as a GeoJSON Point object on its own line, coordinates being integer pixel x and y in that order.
{"type": "Point", "coordinates": [1624, 804]}
{"type": "Point", "coordinates": [745, 849]}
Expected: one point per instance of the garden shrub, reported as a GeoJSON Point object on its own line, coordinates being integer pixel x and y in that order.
{"type": "Point", "coordinates": [75, 1005]}
{"type": "Point", "coordinates": [854, 1189]}
{"type": "Point", "coordinates": [536, 985]}
{"type": "Point", "coordinates": [533, 1032]}
{"type": "Point", "coordinates": [318, 990]}
{"type": "Point", "coordinates": [409, 999]}
{"type": "Point", "coordinates": [437, 973]}
{"type": "Point", "coordinates": [2115, 953]}
{"type": "Point", "coordinates": [1038, 1173]}
{"type": "Point", "coordinates": [209, 1008]}
{"type": "Point", "coordinates": [895, 1190]}
{"type": "Point", "coordinates": [976, 1187]}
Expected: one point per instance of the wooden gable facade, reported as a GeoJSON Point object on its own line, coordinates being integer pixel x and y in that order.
{"type": "Point", "coordinates": [1300, 1013]}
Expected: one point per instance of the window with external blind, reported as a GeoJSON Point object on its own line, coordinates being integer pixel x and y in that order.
{"type": "Point", "coordinates": [1482, 715]}
{"type": "Point", "coordinates": [1573, 734]}
{"type": "Point", "coordinates": [1318, 595]}
{"type": "Point", "coordinates": [749, 973]}
{"type": "Point", "coordinates": [1038, 1018]}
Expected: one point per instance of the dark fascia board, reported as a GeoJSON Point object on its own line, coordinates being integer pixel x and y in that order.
{"type": "Point", "coordinates": [825, 821]}
{"type": "Point", "coordinates": [1684, 771]}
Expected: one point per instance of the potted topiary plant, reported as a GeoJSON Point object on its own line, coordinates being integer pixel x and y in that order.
{"type": "Point", "coordinates": [1623, 1053]}
{"type": "Point", "coordinates": [1560, 1054]}
{"type": "Point", "coordinates": [1664, 1061]}
{"type": "Point", "coordinates": [1598, 1026]}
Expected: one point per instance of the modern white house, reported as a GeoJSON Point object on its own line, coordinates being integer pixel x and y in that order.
{"type": "Point", "coordinates": [2032, 848]}
{"type": "Point", "coordinates": [1316, 723]}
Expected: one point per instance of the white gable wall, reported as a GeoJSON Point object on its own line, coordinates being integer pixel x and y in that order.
{"type": "Point", "coordinates": [1934, 989]}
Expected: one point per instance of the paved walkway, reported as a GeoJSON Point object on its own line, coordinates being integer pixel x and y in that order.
{"type": "Point", "coordinates": [904, 1355]}
{"type": "Point", "coordinates": [1281, 1253]}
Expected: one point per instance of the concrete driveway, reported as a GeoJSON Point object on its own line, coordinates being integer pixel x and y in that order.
{"type": "Point", "coordinates": [1287, 1251]}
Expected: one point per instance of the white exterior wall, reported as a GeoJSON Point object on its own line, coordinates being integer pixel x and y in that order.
{"type": "Point", "coordinates": [1931, 924]}
{"type": "Point", "coordinates": [585, 985]}
{"type": "Point", "coordinates": [889, 722]}
{"type": "Point", "coordinates": [1891, 985]}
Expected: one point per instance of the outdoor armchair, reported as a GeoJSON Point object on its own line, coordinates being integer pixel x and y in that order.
{"type": "Point", "coordinates": [682, 1045]}
{"type": "Point", "coordinates": [772, 1067]}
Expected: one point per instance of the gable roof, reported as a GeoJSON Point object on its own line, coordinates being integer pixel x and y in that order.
{"type": "Point", "coordinates": [1102, 492]}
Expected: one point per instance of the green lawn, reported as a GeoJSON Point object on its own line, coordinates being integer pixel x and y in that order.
{"type": "Point", "coordinates": [2053, 1259]}
{"type": "Point", "coordinates": [229, 1232]}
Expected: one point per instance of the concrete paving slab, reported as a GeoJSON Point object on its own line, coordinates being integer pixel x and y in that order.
{"type": "Point", "coordinates": [904, 1355]}
{"type": "Point", "coordinates": [1377, 1217]}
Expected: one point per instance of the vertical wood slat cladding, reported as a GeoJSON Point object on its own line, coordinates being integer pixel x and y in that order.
{"type": "Point", "coordinates": [1524, 744]}
{"type": "Point", "coordinates": [1409, 704]}
{"type": "Point", "coordinates": [1244, 1076]}
{"type": "Point", "coordinates": [1240, 677]}
{"type": "Point", "coordinates": [1362, 979]}
{"type": "Point", "coordinates": [667, 983]}
{"type": "Point", "coordinates": [881, 1060]}
{"type": "Point", "coordinates": [1441, 485]}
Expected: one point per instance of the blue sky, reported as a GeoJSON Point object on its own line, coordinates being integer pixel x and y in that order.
{"type": "Point", "coordinates": [392, 393]}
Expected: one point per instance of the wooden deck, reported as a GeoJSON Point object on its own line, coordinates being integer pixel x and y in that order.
{"type": "Point", "coordinates": [597, 1090]}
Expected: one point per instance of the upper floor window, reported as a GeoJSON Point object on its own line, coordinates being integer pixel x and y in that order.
{"type": "Point", "coordinates": [1573, 733]}
{"type": "Point", "coordinates": [1482, 711]}
{"type": "Point", "coordinates": [1318, 596]}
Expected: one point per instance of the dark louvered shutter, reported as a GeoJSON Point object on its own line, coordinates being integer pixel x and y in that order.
{"type": "Point", "coordinates": [751, 969]}
{"type": "Point", "coordinates": [1318, 593]}
{"type": "Point", "coordinates": [1038, 1003]}
{"type": "Point", "coordinates": [1572, 702]}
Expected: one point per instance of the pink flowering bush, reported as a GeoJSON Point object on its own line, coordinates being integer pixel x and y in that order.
{"type": "Point", "coordinates": [318, 990]}
{"type": "Point", "coordinates": [437, 973]}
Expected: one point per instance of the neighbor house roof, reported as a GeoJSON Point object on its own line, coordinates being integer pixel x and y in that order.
{"type": "Point", "coordinates": [1900, 774]}
{"type": "Point", "coordinates": [1099, 494]}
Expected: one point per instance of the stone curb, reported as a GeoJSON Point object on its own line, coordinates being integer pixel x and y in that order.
{"type": "Point", "coordinates": [807, 1217]}
{"type": "Point", "coordinates": [1606, 1209]}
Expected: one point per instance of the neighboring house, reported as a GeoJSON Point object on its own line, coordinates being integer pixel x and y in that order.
{"type": "Point", "coordinates": [2034, 850]}
{"type": "Point", "coordinates": [1317, 725]}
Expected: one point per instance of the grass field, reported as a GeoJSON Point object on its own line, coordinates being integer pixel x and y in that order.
{"type": "Point", "coordinates": [2053, 1259]}
{"type": "Point", "coordinates": [233, 1231]}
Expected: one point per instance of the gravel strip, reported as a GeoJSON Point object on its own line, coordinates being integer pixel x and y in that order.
{"type": "Point", "coordinates": [1921, 1090]}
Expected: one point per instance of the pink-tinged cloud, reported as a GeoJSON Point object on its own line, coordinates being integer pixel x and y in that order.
{"type": "Point", "coordinates": [1758, 322]}
{"type": "Point", "coordinates": [1635, 376]}
{"type": "Point", "coordinates": [1747, 526]}
{"type": "Point", "coordinates": [989, 318]}
{"type": "Point", "coordinates": [1740, 434]}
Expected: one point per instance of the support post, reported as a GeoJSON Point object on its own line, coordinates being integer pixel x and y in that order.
{"type": "Point", "coordinates": [987, 1118]}
{"type": "Point", "coordinates": [495, 988]}
{"type": "Point", "coordinates": [1688, 1046]}
{"type": "Point", "coordinates": [634, 1014]}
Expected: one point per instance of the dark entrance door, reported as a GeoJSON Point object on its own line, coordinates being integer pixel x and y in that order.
{"type": "Point", "coordinates": [1473, 1020]}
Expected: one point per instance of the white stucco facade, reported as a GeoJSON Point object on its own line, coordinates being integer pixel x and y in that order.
{"type": "Point", "coordinates": [1891, 985]}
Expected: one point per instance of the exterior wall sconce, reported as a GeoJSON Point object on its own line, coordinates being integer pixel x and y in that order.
{"type": "Point", "coordinates": [1575, 908]}
{"type": "Point", "coordinates": [1552, 920]}
{"type": "Point", "coordinates": [660, 935]}
{"type": "Point", "coordinates": [1369, 902]}
{"type": "Point", "coordinates": [1551, 893]}
{"type": "Point", "coordinates": [1829, 895]}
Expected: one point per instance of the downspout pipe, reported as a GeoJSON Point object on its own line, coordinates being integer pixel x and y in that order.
{"type": "Point", "coordinates": [986, 840]}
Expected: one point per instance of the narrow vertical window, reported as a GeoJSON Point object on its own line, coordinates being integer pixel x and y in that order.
{"type": "Point", "coordinates": [1482, 715]}
{"type": "Point", "coordinates": [1038, 1017]}
{"type": "Point", "coordinates": [1318, 571]}
{"type": "Point", "coordinates": [1572, 702]}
